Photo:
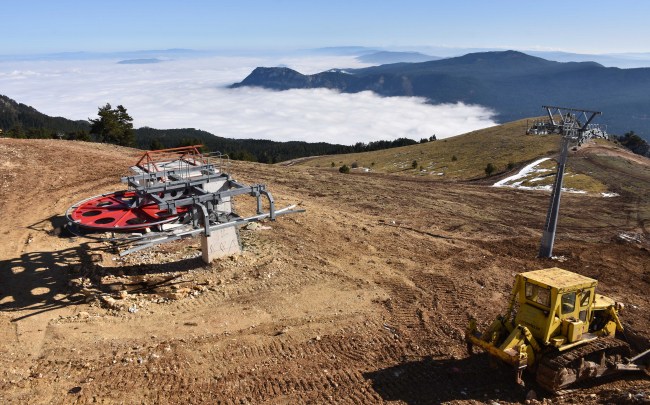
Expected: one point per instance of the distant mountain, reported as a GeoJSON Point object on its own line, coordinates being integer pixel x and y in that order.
{"type": "Point", "coordinates": [616, 60]}
{"type": "Point", "coordinates": [139, 61]}
{"type": "Point", "coordinates": [384, 57]}
{"type": "Point", "coordinates": [513, 84]}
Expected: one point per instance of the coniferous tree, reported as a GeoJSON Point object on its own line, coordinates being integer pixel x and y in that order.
{"type": "Point", "coordinates": [114, 125]}
{"type": "Point", "coordinates": [489, 169]}
{"type": "Point", "coordinates": [155, 144]}
{"type": "Point", "coordinates": [635, 143]}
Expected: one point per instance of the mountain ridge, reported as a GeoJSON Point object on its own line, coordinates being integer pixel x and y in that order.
{"type": "Point", "coordinates": [512, 83]}
{"type": "Point", "coordinates": [15, 114]}
{"type": "Point", "coordinates": [384, 57]}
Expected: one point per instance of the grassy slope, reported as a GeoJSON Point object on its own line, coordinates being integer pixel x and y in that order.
{"type": "Point", "coordinates": [499, 145]}
{"type": "Point", "coordinates": [573, 178]}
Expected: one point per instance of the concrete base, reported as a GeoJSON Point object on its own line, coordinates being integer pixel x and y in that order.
{"type": "Point", "coordinates": [223, 242]}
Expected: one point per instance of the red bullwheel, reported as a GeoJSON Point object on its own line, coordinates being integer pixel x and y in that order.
{"type": "Point", "coordinates": [117, 212]}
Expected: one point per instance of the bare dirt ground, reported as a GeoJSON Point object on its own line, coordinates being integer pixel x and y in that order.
{"type": "Point", "coordinates": [361, 299]}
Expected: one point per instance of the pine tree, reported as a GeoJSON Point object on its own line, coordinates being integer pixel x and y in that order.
{"type": "Point", "coordinates": [114, 125]}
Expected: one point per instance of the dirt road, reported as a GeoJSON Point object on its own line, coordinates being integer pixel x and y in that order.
{"type": "Point", "coordinates": [361, 299]}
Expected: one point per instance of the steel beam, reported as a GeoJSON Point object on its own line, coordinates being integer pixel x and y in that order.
{"type": "Point", "coordinates": [171, 236]}
{"type": "Point", "coordinates": [579, 110]}
{"type": "Point", "coordinates": [586, 124]}
{"type": "Point", "coordinates": [170, 205]}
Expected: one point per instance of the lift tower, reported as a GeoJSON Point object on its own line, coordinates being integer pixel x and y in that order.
{"type": "Point", "coordinates": [574, 125]}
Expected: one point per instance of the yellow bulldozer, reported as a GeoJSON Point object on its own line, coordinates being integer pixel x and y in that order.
{"type": "Point", "coordinates": [558, 327]}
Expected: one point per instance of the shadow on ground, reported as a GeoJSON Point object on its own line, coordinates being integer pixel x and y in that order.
{"type": "Point", "coordinates": [432, 381]}
{"type": "Point", "coordinates": [38, 282]}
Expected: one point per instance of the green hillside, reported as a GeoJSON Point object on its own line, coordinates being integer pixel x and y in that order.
{"type": "Point", "coordinates": [461, 157]}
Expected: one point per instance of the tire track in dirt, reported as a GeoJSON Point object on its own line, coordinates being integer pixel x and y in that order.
{"type": "Point", "coordinates": [321, 370]}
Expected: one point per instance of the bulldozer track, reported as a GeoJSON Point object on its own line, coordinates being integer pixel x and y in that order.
{"type": "Point", "coordinates": [445, 292]}
{"type": "Point", "coordinates": [552, 366]}
{"type": "Point", "coordinates": [252, 287]}
{"type": "Point", "coordinates": [565, 359]}
{"type": "Point", "coordinates": [413, 310]}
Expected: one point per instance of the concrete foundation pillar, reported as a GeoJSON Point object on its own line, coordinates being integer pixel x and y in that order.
{"type": "Point", "coordinates": [222, 242]}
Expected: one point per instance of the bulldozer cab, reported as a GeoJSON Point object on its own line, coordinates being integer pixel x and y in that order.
{"type": "Point", "coordinates": [554, 304]}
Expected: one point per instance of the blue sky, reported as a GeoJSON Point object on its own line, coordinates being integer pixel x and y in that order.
{"type": "Point", "coordinates": [595, 26]}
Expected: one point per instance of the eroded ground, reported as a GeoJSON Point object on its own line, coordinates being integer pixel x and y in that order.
{"type": "Point", "coordinates": [361, 299]}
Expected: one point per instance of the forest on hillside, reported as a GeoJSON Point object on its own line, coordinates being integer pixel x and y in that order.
{"type": "Point", "coordinates": [114, 125]}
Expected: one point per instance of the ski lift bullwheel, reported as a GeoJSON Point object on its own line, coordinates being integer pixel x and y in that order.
{"type": "Point", "coordinates": [119, 212]}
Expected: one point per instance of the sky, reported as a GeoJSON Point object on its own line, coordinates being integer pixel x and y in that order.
{"type": "Point", "coordinates": [594, 26]}
{"type": "Point", "coordinates": [192, 91]}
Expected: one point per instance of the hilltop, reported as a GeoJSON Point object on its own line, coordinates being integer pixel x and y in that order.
{"type": "Point", "coordinates": [14, 114]}
{"type": "Point", "coordinates": [513, 84]}
{"type": "Point", "coordinates": [364, 298]}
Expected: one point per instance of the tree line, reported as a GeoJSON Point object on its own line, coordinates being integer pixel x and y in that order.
{"type": "Point", "coordinates": [115, 126]}
{"type": "Point", "coordinates": [635, 143]}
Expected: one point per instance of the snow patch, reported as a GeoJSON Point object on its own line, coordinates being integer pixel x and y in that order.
{"type": "Point", "coordinates": [530, 170]}
{"type": "Point", "coordinates": [573, 190]}
{"type": "Point", "coordinates": [527, 170]}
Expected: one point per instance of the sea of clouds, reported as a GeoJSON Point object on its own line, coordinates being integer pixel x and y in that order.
{"type": "Point", "coordinates": [194, 93]}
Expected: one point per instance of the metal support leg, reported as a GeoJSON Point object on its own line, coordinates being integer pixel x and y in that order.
{"type": "Point", "coordinates": [205, 217]}
{"type": "Point", "coordinates": [271, 204]}
{"type": "Point", "coordinates": [259, 203]}
{"type": "Point", "coordinates": [548, 237]}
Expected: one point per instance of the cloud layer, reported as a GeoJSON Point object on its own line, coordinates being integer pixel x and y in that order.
{"type": "Point", "coordinates": [193, 93]}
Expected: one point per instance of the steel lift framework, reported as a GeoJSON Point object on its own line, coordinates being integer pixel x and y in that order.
{"type": "Point", "coordinates": [574, 125]}
{"type": "Point", "coordinates": [560, 117]}
{"type": "Point", "coordinates": [175, 193]}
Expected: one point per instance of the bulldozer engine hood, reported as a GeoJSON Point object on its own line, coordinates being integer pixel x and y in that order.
{"type": "Point", "coordinates": [602, 302]}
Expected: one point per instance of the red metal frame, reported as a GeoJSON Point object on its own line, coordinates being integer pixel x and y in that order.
{"type": "Point", "coordinates": [188, 154]}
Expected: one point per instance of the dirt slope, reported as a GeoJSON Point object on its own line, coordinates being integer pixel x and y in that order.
{"type": "Point", "coordinates": [362, 299]}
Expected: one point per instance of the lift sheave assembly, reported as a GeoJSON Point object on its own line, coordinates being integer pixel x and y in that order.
{"type": "Point", "coordinates": [174, 193]}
